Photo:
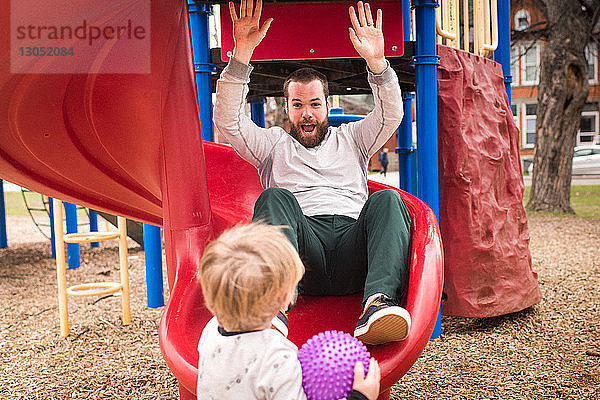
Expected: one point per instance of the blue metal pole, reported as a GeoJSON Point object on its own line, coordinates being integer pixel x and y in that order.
{"type": "Point", "coordinates": [257, 110]}
{"type": "Point", "coordinates": [426, 61]}
{"type": "Point", "coordinates": [201, 48]}
{"type": "Point", "coordinates": [3, 237]}
{"type": "Point", "coordinates": [406, 148]}
{"type": "Point", "coordinates": [154, 276]}
{"type": "Point", "coordinates": [406, 22]}
{"type": "Point", "coordinates": [72, 248]}
{"type": "Point", "coordinates": [502, 53]}
{"type": "Point", "coordinates": [93, 225]}
{"type": "Point", "coordinates": [52, 237]}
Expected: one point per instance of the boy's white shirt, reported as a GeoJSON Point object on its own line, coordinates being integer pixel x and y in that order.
{"type": "Point", "coordinates": [254, 365]}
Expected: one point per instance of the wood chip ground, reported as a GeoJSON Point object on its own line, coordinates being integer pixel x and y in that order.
{"type": "Point", "coordinates": [549, 351]}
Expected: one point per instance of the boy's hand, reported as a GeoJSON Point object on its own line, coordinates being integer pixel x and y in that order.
{"type": "Point", "coordinates": [367, 37]}
{"type": "Point", "coordinates": [369, 385]}
{"type": "Point", "coordinates": [247, 32]}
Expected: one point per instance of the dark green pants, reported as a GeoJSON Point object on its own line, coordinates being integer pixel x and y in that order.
{"type": "Point", "coordinates": [343, 255]}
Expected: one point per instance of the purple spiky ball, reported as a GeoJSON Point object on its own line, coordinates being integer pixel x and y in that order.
{"type": "Point", "coordinates": [327, 360]}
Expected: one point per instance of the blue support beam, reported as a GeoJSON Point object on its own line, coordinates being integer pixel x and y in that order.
{"type": "Point", "coordinates": [154, 275]}
{"type": "Point", "coordinates": [502, 53]}
{"type": "Point", "coordinates": [3, 237]}
{"type": "Point", "coordinates": [257, 110]}
{"type": "Point", "coordinates": [52, 234]}
{"type": "Point", "coordinates": [406, 20]}
{"type": "Point", "coordinates": [406, 150]}
{"type": "Point", "coordinates": [426, 61]}
{"type": "Point", "coordinates": [93, 225]}
{"type": "Point", "coordinates": [405, 147]}
{"type": "Point", "coordinates": [74, 258]}
{"type": "Point", "coordinates": [203, 67]}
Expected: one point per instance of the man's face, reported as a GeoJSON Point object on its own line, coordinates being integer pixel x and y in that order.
{"type": "Point", "coordinates": [307, 110]}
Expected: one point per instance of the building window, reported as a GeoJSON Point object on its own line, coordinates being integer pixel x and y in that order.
{"type": "Point", "coordinates": [530, 64]}
{"type": "Point", "coordinates": [588, 127]}
{"type": "Point", "coordinates": [522, 20]}
{"type": "Point", "coordinates": [513, 108]}
{"type": "Point", "coordinates": [591, 56]}
{"type": "Point", "coordinates": [529, 118]}
{"type": "Point", "coordinates": [514, 65]}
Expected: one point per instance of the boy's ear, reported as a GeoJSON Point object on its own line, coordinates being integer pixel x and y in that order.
{"type": "Point", "coordinates": [287, 300]}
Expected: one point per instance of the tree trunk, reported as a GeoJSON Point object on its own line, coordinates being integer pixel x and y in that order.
{"type": "Point", "coordinates": [562, 93]}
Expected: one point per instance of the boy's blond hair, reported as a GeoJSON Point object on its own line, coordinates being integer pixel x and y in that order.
{"type": "Point", "coordinates": [246, 274]}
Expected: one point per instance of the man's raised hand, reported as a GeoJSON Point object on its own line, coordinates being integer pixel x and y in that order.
{"type": "Point", "coordinates": [367, 37]}
{"type": "Point", "coordinates": [247, 32]}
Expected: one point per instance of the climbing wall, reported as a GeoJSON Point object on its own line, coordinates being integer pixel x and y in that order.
{"type": "Point", "coordinates": [482, 219]}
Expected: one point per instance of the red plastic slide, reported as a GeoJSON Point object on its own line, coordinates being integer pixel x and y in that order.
{"type": "Point", "coordinates": [185, 315]}
{"type": "Point", "coordinates": [129, 143]}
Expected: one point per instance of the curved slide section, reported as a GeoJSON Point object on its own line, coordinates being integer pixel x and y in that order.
{"type": "Point", "coordinates": [102, 139]}
{"type": "Point", "coordinates": [130, 144]}
{"type": "Point", "coordinates": [232, 202]}
{"type": "Point", "coordinates": [125, 143]}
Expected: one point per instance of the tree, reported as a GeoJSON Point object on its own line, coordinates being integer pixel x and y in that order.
{"type": "Point", "coordinates": [562, 93]}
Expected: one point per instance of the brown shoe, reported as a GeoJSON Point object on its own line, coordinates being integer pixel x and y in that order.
{"type": "Point", "coordinates": [382, 321]}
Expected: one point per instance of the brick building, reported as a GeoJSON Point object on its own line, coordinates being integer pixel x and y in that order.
{"type": "Point", "coordinates": [528, 17]}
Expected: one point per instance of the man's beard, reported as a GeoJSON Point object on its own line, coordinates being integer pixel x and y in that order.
{"type": "Point", "coordinates": [313, 140]}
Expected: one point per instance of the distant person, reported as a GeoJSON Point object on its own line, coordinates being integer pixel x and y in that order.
{"type": "Point", "coordinates": [383, 159]}
{"type": "Point", "coordinates": [248, 275]}
{"type": "Point", "coordinates": [315, 177]}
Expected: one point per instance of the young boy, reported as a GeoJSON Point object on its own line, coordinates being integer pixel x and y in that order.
{"type": "Point", "coordinates": [248, 275]}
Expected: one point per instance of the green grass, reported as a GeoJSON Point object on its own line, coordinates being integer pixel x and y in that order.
{"type": "Point", "coordinates": [13, 201]}
{"type": "Point", "coordinates": [15, 205]}
{"type": "Point", "coordinates": [585, 200]}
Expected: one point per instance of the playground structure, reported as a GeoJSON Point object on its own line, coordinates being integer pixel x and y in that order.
{"type": "Point", "coordinates": [485, 24]}
{"type": "Point", "coordinates": [41, 210]}
{"type": "Point", "coordinates": [170, 178]}
{"type": "Point", "coordinates": [185, 311]}
{"type": "Point", "coordinates": [89, 289]}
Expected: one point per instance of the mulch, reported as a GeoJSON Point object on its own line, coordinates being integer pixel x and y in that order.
{"type": "Point", "coordinates": [551, 350]}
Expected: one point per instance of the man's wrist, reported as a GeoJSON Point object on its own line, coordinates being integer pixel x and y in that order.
{"type": "Point", "coordinates": [377, 66]}
{"type": "Point", "coordinates": [239, 70]}
{"type": "Point", "coordinates": [382, 78]}
{"type": "Point", "coordinates": [243, 55]}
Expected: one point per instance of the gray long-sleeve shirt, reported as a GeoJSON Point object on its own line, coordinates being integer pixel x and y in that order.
{"type": "Point", "coordinates": [328, 179]}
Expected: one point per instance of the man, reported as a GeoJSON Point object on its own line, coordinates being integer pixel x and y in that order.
{"type": "Point", "coordinates": [383, 159]}
{"type": "Point", "coordinates": [315, 177]}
